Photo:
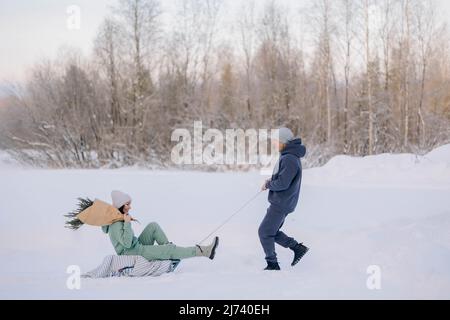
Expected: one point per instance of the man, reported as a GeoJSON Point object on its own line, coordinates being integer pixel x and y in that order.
{"type": "Point", "coordinates": [284, 191]}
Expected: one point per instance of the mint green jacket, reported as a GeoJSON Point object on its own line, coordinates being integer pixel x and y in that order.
{"type": "Point", "coordinates": [122, 237]}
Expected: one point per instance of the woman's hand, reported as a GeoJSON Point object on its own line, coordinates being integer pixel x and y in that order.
{"type": "Point", "coordinates": [127, 218]}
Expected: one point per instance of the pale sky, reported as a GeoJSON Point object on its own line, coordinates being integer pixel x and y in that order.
{"type": "Point", "coordinates": [35, 29]}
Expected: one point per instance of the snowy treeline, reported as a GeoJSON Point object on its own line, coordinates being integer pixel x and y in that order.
{"type": "Point", "coordinates": [354, 77]}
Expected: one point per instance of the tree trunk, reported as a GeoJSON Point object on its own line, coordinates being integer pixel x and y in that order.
{"type": "Point", "coordinates": [369, 79]}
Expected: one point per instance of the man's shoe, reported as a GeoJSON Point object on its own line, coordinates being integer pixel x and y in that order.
{"type": "Point", "coordinates": [272, 266]}
{"type": "Point", "coordinates": [299, 251]}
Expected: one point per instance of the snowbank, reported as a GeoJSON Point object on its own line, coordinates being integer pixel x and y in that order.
{"type": "Point", "coordinates": [406, 170]}
{"type": "Point", "coordinates": [6, 161]}
{"type": "Point", "coordinates": [439, 155]}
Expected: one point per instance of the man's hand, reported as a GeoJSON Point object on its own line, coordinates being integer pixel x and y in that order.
{"type": "Point", "coordinates": [264, 186]}
{"type": "Point", "coordinates": [127, 218]}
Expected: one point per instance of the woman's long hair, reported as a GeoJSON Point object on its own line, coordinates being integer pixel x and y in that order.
{"type": "Point", "coordinates": [121, 209]}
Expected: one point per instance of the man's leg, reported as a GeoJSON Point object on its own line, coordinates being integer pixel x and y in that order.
{"type": "Point", "coordinates": [283, 240]}
{"type": "Point", "coordinates": [152, 233]}
{"type": "Point", "coordinates": [268, 230]}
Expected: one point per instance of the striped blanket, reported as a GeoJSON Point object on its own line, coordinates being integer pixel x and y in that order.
{"type": "Point", "coordinates": [131, 266]}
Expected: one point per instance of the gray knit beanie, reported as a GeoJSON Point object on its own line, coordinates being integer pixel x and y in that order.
{"type": "Point", "coordinates": [285, 135]}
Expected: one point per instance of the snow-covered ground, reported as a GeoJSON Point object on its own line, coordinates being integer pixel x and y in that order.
{"type": "Point", "coordinates": [392, 211]}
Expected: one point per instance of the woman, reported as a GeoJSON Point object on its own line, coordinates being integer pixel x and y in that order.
{"type": "Point", "coordinates": [125, 243]}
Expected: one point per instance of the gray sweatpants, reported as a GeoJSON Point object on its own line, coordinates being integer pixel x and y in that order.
{"type": "Point", "coordinates": [269, 233]}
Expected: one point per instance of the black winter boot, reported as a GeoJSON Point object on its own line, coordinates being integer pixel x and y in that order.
{"type": "Point", "coordinates": [272, 266]}
{"type": "Point", "coordinates": [299, 251]}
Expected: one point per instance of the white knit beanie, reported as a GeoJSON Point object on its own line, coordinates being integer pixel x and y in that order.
{"type": "Point", "coordinates": [119, 198]}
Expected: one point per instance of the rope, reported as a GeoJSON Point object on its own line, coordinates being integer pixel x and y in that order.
{"type": "Point", "coordinates": [231, 217]}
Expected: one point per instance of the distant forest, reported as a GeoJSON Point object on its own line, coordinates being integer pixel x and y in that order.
{"type": "Point", "coordinates": [354, 77]}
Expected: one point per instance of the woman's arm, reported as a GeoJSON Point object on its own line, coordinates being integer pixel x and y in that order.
{"type": "Point", "coordinates": [122, 233]}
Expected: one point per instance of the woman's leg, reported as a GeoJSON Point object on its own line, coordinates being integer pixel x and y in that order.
{"type": "Point", "coordinates": [152, 233]}
{"type": "Point", "coordinates": [167, 252]}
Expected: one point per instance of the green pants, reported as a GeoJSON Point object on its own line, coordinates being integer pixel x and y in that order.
{"type": "Point", "coordinates": [163, 251]}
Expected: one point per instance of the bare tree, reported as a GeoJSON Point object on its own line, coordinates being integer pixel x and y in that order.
{"type": "Point", "coordinates": [425, 21]}
{"type": "Point", "coordinates": [387, 31]}
{"type": "Point", "coordinates": [406, 60]}
{"type": "Point", "coordinates": [140, 20]}
{"type": "Point", "coordinates": [247, 28]}
{"type": "Point", "coordinates": [109, 50]}
{"type": "Point", "coordinates": [347, 12]}
{"type": "Point", "coordinates": [367, 7]}
{"type": "Point", "coordinates": [273, 60]}
{"type": "Point", "coordinates": [323, 26]}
